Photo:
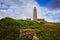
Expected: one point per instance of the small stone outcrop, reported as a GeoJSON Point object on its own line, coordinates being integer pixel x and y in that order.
{"type": "Point", "coordinates": [28, 33]}
{"type": "Point", "coordinates": [35, 38]}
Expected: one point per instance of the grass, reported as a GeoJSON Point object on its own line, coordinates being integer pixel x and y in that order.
{"type": "Point", "coordinates": [9, 29]}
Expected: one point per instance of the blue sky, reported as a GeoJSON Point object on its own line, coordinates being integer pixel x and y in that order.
{"type": "Point", "coordinates": [22, 9]}
{"type": "Point", "coordinates": [43, 2]}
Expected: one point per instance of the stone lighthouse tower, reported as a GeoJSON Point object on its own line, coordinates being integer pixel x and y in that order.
{"type": "Point", "coordinates": [35, 14]}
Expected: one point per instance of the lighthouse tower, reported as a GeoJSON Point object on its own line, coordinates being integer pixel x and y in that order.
{"type": "Point", "coordinates": [35, 14]}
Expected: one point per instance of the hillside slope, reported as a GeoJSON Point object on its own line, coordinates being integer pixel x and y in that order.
{"type": "Point", "coordinates": [9, 29]}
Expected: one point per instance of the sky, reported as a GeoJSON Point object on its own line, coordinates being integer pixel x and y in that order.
{"type": "Point", "coordinates": [22, 9]}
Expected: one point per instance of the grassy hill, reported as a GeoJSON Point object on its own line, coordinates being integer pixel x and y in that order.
{"type": "Point", "coordinates": [9, 29]}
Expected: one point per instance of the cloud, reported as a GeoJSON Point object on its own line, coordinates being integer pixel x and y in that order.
{"type": "Point", "coordinates": [6, 4]}
{"type": "Point", "coordinates": [22, 9]}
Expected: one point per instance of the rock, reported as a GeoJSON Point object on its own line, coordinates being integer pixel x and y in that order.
{"type": "Point", "coordinates": [35, 38]}
{"type": "Point", "coordinates": [27, 33]}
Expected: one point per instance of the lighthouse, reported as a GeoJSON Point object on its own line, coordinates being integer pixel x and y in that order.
{"type": "Point", "coordinates": [35, 14]}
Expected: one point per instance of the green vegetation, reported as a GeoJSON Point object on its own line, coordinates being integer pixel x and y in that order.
{"type": "Point", "coordinates": [9, 29]}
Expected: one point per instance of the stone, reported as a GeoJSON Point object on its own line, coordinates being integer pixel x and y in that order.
{"type": "Point", "coordinates": [35, 38]}
{"type": "Point", "coordinates": [27, 33]}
